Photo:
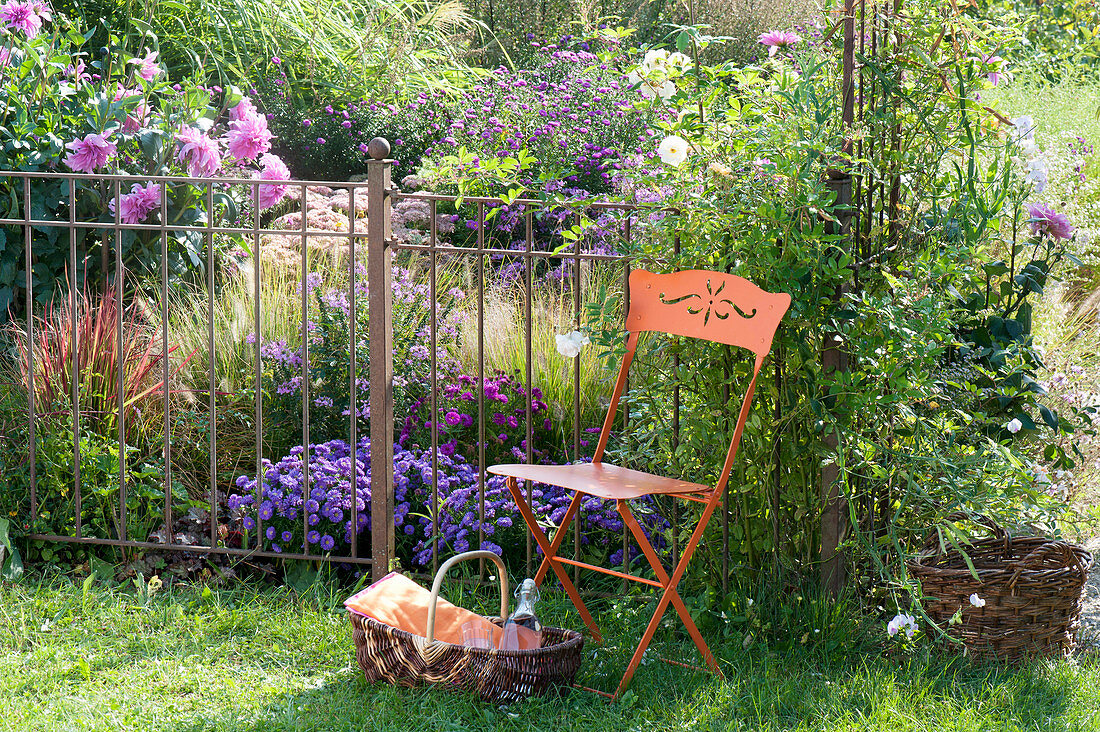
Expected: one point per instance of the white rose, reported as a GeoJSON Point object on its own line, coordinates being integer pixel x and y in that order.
{"type": "Point", "coordinates": [570, 344]}
{"type": "Point", "coordinates": [654, 60]}
{"type": "Point", "coordinates": [679, 60]}
{"type": "Point", "coordinates": [673, 150]}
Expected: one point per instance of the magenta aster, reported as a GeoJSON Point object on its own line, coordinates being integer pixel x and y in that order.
{"type": "Point", "coordinates": [1045, 220]}
{"type": "Point", "coordinates": [90, 153]}
{"type": "Point", "coordinates": [201, 153]}
{"type": "Point", "coordinates": [775, 40]}
{"type": "Point", "coordinates": [248, 137]}
{"type": "Point", "coordinates": [274, 169]}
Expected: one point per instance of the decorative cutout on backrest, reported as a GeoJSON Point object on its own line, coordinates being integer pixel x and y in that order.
{"type": "Point", "coordinates": [703, 304]}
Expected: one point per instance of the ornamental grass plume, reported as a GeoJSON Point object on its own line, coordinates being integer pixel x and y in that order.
{"type": "Point", "coordinates": [90, 153]}
{"type": "Point", "coordinates": [775, 40]}
{"type": "Point", "coordinates": [1045, 221]}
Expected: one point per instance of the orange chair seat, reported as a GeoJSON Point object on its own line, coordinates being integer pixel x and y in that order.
{"type": "Point", "coordinates": [601, 479]}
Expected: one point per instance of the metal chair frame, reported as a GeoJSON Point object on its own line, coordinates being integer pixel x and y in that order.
{"type": "Point", "coordinates": [711, 306]}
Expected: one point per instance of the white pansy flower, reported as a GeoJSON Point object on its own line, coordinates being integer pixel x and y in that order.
{"type": "Point", "coordinates": [1014, 426]}
{"type": "Point", "coordinates": [977, 601]}
{"type": "Point", "coordinates": [570, 344]}
{"type": "Point", "coordinates": [673, 150]}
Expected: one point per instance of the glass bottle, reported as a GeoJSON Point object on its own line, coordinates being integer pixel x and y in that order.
{"type": "Point", "coordinates": [522, 630]}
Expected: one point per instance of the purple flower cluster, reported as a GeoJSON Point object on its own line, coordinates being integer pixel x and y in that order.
{"type": "Point", "coordinates": [292, 518]}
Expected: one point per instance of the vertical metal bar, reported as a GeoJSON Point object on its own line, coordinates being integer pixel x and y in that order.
{"type": "Point", "coordinates": [164, 364]}
{"type": "Point", "coordinates": [257, 364]}
{"type": "Point", "coordinates": [528, 282]}
{"type": "Point", "coordinates": [75, 357]}
{"type": "Point", "coordinates": [211, 351]}
{"type": "Point", "coordinates": [380, 335]}
{"type": "Point", "coordinates": [29, 264]}
{"type": "Point", "coordinates": [577, 395]}
{"type": "Point", "coordinates": [777, 414]}
{"type": "Point", "coordinates": [434, 381]}
{"type": "Point", "coordinates": [481, 383]}
{"type": "Point", "coordinates": [352, 371]}
{"type": "Point", "coordinates": [624, 405]}
{"type": "Point", "coordinates": [726, 490]}
{"type": "Point", "coordinates": [676, 428]}
{"type": "Point", "coordinates": [120, 285]}
{"type": "Point", "coordinates": [307, 489]}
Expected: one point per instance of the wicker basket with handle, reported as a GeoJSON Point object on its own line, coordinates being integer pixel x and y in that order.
{"type": "Point", "coordinates": [1032, 587]}
{"type": "Point", "coordinates": [386, 653]}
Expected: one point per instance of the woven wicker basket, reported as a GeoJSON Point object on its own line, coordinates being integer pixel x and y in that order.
{"type": "Point", "coordinates": [386, 653]}
{"type": "Point", "coordinates": [1032, 587]}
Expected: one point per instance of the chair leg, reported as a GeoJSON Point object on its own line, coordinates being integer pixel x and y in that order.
{"type": "Point", "coordinates": [670, 595]}
{"type": "Point", "coordinates": [550, 551]}
{"type": "Point", "coordinates": [559, 535]}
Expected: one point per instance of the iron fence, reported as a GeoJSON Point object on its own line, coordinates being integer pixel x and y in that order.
{"type": "Point", "coordinates": [376, 196]}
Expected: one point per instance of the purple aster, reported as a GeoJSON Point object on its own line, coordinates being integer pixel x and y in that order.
{"type": "Point", "coordinates": [313, 537]}
{"type": "Point", "coordinates": [327, 543]}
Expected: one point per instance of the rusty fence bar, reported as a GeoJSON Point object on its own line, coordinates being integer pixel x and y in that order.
{"type": "Point", "coordinates": [374, 241]}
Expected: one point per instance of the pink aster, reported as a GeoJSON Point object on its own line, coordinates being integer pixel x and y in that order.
{"type": "Point", "coordinates": [21, 16]}
{"type": "Point", "coordinates": [775, 40]}
{"type": "Point", "coordinates": [136, 205]}
{"type": "Point", "coordinates": [248, 137]}
{"type": "Point", "coordinates": [90, 153]}
{"type": "Point", "coordinates": [274, 169]}
{"type": "Point", "coordinates": [147, 66]}
{"type": "Point", "coordinates": [201, 153]}
{"type": "Point", "coordinates": [1045, 220]}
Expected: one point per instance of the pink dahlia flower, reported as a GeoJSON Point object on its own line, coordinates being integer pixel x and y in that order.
{"type": "Point", "coordinates": [147, 66]}
{"type": "Point", "coordinates": [274, 169]}
{"type": "Point", "coordinates": [21, 16]}
{"type": "Point", "coordinates": [248, 137]}
{"type": "Point", "coordinates": [201, 153]}
{"type": "Point", "coordinates": [90, 153]}
{"type": "Point", "coordinates": [136, 205]}
{"type": "Point", "coordinates": [1045, 220]}
{"type": "Point", "coordinates": [242, 110]}
{"type": "Point", "coordinates": [775, 40]}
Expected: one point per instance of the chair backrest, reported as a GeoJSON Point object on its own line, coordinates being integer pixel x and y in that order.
{"type": "Point", "coordinates": [712, 306]}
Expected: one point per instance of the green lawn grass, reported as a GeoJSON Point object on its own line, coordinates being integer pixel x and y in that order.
{"type": "Point", "coordinates": [268, 659]}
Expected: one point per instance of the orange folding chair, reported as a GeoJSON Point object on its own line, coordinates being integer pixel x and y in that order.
{"type": "Point", "coordinates": [712, 306]}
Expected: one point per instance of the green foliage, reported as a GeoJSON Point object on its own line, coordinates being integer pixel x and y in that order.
{"type": "Point", "coordinates": [51, 100]}
{"type": "Point", "coordinates": [342, 49]}
{"type": "Point", "coordinates": [1062, 39]}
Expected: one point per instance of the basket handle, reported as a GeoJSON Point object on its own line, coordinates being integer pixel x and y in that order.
{"type": "Point", "coordinates": [1036, 556]}
{"type": "Point", "coordinates": [479, 554]}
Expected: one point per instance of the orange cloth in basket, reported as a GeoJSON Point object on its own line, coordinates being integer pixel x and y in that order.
{"type": "Point", "coordinates": [398, 601]}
